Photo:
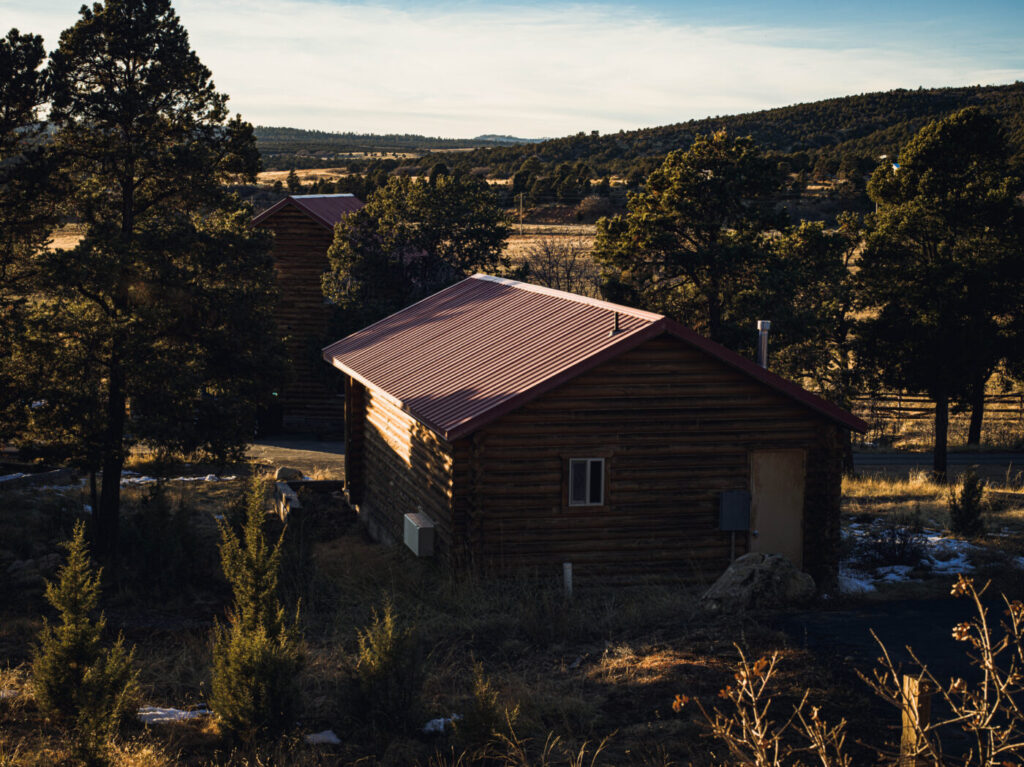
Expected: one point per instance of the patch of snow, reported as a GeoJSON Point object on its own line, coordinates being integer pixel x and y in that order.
{"type": "Point", "coordinates": [6, 694]}
{"type": "Point", "coordinates": [157, 715]}
{"type": "Point", "coordinates": [942, 555]}
{"type": "Point", "coordinates": [955, 564]}
{"type": "Point", "coordinates": [1018, 562]}
{"type": "Point", "coordinates": [86, 508]}
{"type": "Point", "coordinates": [438, 726]}
{"type": "Point", "coordinates": [15, 475]}
{"type": "Point", "coordinates": [894, 573]}
{"type": "Point", "coordinates": [327, 737]}
{"type": "Point", "coordinates": [855, 582]}
{"type": "Point", "coordinates": [135, 479]}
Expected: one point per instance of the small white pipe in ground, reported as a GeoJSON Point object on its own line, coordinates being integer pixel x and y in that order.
{"type": "Point", "coordinates": [567, 578]}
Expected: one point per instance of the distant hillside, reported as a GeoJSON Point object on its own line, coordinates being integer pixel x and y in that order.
{"type": "Point", "coordinates": [857, 128]}
{"type": "Point", "coordinates": [493, 139]}
{"type": "Point", "coordinates": [284, 148]}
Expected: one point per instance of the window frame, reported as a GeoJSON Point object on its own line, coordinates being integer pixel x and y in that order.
{"type": "Point", "coordinates": [589, 460]}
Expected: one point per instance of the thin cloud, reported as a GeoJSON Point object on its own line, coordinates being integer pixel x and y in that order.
{"type": "Point", "coordinates": [527, 71]}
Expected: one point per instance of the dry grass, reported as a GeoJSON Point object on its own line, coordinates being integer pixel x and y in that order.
{"type": "Point", "coordinates": [885, 494]}
{"type": "Point", "coordinates": [67, 236]}
{"type": "Point", "coordinates": [537, 238]}
{"type": "Point", "coordinates": [306, 176]}
{"type": "Point", "coordinates": [605, 664]}
{"type": "Point", "coordinates": [906, 421]}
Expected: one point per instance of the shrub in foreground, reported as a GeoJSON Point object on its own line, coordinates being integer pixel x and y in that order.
{"type": "Point", "coordinates": [986, 714]}
{"type": "Point", "coordinates": [75, 678]}
{"type": "Point", "coordinates": [257, 656]}
{"type": "Point", "coordinates": [967, 505]}
{"type": "Point", "coordinates": [387, 668]}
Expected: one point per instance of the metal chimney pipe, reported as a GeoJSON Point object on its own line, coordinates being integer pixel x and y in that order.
{"type": "Point", "coordinates": [763, 326]}
{"type": "Point", "coordinates": [615, 326]}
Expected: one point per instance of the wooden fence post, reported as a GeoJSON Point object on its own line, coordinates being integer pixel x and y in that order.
{"type": "Point", "coordinates": [917, 715]}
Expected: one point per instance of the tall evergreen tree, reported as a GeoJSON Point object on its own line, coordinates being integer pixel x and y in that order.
{"type": "Point", "coordinates": [942, 266]}
{"type": "Point", "coordinates": [27, 213]}
{"type": "Point", "coordinates": [813, 328]}
{"type": "Point", "coordinates": [689, 244]}
{"type": "Point", "coordinates": [165, 306]}
{"type": "Point", "coordinates": [412, 239]}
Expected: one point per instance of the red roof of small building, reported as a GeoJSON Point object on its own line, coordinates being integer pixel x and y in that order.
{"type": "Point", "coordinates": [463, 357]}
{"type": "Point", "coordinates": [325, 209]}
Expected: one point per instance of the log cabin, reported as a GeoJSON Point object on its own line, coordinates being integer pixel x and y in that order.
{"type": "Point", "coordinates": [303, 228]}
{"type": "Point", "coordinates": [524, 427]}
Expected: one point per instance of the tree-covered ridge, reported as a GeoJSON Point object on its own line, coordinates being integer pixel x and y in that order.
{"type": "Point", "coordinates": [287, 147]}
{"type": "Point", "coordinates": [861, 126]}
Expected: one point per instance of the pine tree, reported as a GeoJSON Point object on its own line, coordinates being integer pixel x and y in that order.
{"type": "Point", "coordinates": [27, 214]}
{"type": "Point", "coordinates": [941, 267]}
{"type": "Point", "coordinates": [167, 302]}
{"type": "Point", "coordinates": [75, 678]}
{"type": "Point", "coordinates": [690, 245]}
{"type": "Point", "coordinates": [257, 656]}
{"type": "Point", "coordinates": [412, 239]}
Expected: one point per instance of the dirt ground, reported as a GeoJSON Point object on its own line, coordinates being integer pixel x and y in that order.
{"type": "Point", "coordinates": [324, 459]}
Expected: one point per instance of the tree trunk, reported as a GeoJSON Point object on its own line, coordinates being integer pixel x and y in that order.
{"type": "Point", "coordinates": [847, 445]}
{"type": "Point", "coordinates": [714, 314]}
{"type": "Point", "coordinates": [941, 436]}
{"type": "Point", "coordinates": [93, 496]}
{"type": "Point", "coordinates": [977, 413]}
{"type": "Point", "coordinates": [106, 516]}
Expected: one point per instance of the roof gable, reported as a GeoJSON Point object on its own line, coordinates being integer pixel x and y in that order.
{"type": "Point", "coordinates": [325, 209]}
{"type": "Point", "coordinates": [463, 357]}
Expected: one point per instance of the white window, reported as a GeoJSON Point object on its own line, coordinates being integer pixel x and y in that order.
{"type": "Point", "coordinates": [586, 481]}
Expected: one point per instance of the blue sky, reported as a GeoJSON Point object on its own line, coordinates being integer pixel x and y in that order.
{"type": "Point", "coordinates": [552, 68]}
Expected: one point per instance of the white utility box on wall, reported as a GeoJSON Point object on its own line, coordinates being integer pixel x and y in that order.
{"type": "Point", "coordinates": [419, 534]}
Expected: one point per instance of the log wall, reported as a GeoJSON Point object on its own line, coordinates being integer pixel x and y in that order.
{"type": "Point", "coordinates": [309, 401]}
{"type": "Point", "coordinates": [402, 467]}
{"type": "Point", "coordinates": [676, 428]}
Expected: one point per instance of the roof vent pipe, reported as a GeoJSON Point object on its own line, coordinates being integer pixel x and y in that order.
{"type": "Point", "coordinates": [615, 327]}
{"type": "Point", "coordinates": [763, 326]}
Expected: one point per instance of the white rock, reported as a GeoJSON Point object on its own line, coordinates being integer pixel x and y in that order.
{"type": "Point", "coordinates": [327, 737]}
{"type": "Point", "coordinates": [758, 580]}
{"type": "Point", "coordinates": [438, 726]}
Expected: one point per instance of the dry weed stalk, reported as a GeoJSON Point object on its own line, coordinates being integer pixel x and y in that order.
{"type": "Point", "coordinates": [988, 711]}
{"type": "Point", "coordinates": [750, 734]}
{"type": "Point", "coordinates": [513, 752]}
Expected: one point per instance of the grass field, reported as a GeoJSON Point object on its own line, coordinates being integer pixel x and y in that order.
{"type": "Point", "coordinates": [268, 177]}
{"type": "Point", "coordinates": [67, 237]}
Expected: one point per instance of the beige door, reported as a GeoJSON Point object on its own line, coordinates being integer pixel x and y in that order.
{"type": "Point", "coordinates": [777, 503]}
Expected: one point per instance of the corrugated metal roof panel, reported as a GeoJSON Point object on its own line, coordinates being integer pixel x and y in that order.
{"type": "Point", "coordinates": [325, 209]}
{"type": "Point", "coordinates": [464, 356]}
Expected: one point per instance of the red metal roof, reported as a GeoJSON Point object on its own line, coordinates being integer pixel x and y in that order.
{"type": "Point", "coordinates": [326, 209]}
{"type": "Point", "coordinates": [463, 357]}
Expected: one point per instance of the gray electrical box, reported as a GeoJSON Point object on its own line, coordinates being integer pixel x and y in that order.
{"type": "Point", "coordinates": [734, 511]}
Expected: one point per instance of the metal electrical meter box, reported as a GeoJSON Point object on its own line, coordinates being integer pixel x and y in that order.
{"type": "Point", "coordinates": [419, 534]}
{"type": "Point", "coordinates": [734, 511]}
